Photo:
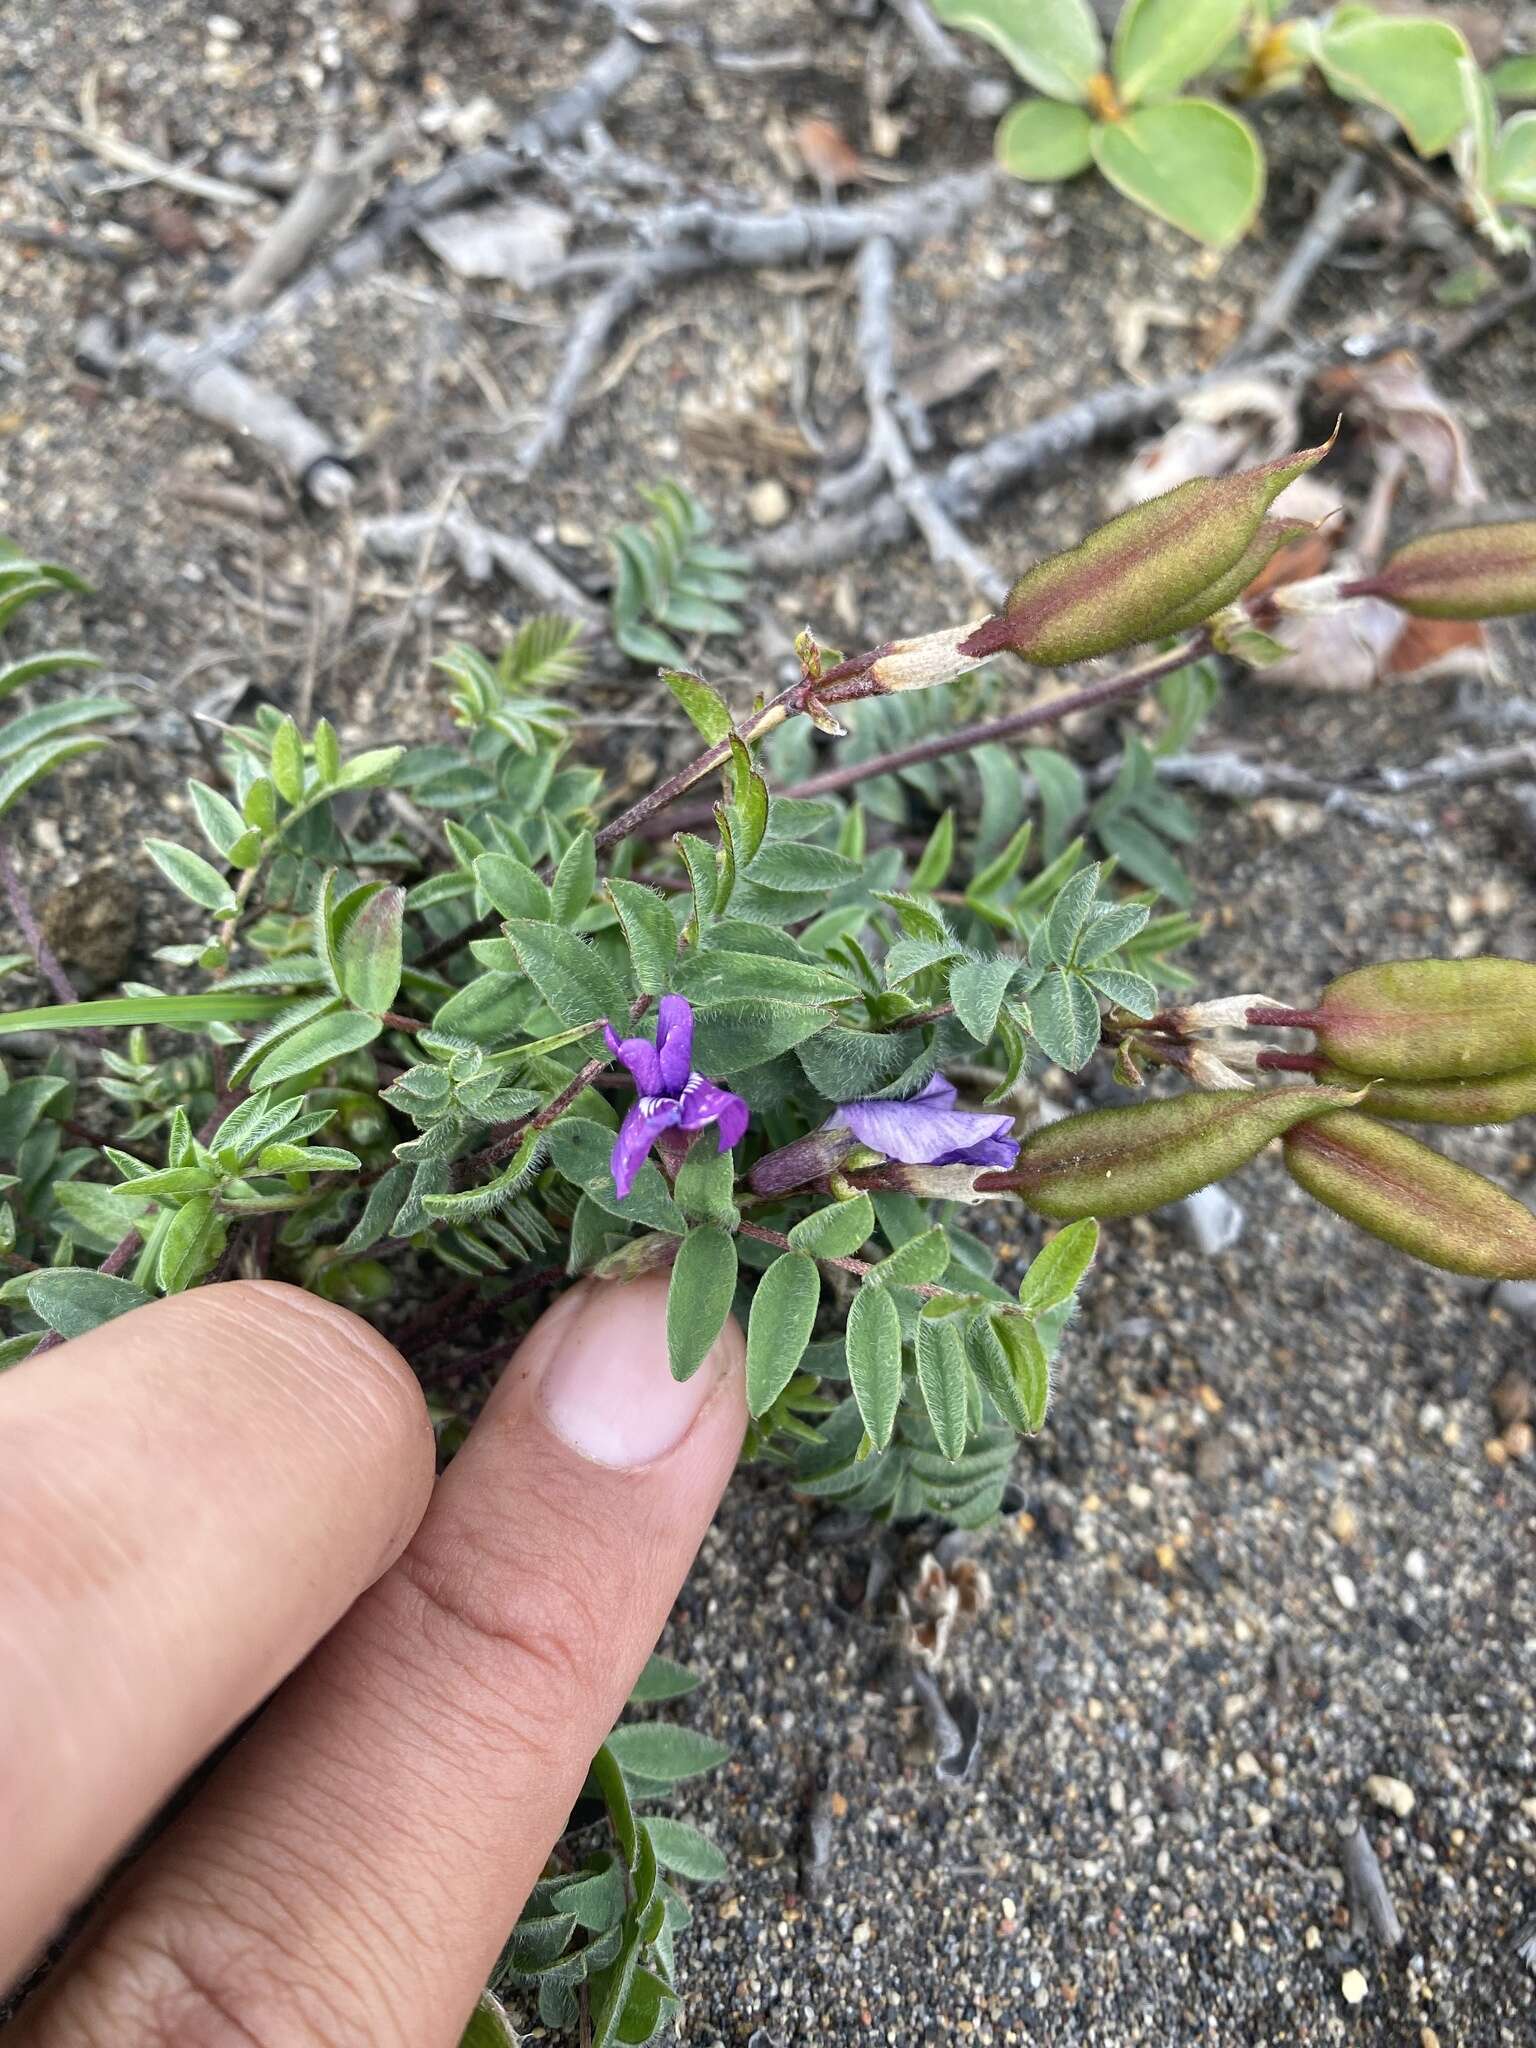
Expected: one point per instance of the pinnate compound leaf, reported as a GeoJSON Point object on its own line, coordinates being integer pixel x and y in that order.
{"type": "Point", "coordinates": [1190, 162]}
{"type": "Point", "coordinates": [873, 1349]}
{"type": "Point", "coordinates": [73, 1299]}
{"type": "Point", "coordinates": [779, 1327]}
{"type": "Point", "coordinates": [1044, 140]}
{"type": "Point", "coordinates": [1159, 45]}
{"type": "Point", "coordinates": [1054, 45]}
{"type": "Point", "coordinates": [699, 1296]}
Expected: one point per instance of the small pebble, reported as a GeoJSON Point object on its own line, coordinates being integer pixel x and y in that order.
{"type": "Point", "coordinates": [1313, 1938]}
{"type": "Point", "coordinates": [1391, 1793]}
{"type": "Point", "coordinates": [1513, 1398]}
{"type": "Point", "coordinates": [1352, 1986]}
{"type": "Point", "coordinates": [1518, 1439]}
{"type": "Point", "coordinates": [1344, 1592]}
{"type": "Point", "coordinates": [1344, 1523]}
{"type": "Point", "coordinates": [768, 502]}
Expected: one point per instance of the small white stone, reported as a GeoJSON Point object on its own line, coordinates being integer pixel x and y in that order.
{"type": "Point", "coordinates": [1416, 1567]}
{"type": "Point", "coordinates": [1246, 1764]}
{"type": "Point", "coordinates": [1391, 1793]}
{"type": "Point", "coordinates": [768, 502]}
{"type": "Point", "coordinates": [863, 1934]}
{"type": "Point", "coordinates": [1239, 1934]}
{"type": "Point", "coordinates": [1344, 1592]}
{"type": "Point", "coordinates": [225, 27]}
{"type": "Point", "coordinates": [1353, 1987]}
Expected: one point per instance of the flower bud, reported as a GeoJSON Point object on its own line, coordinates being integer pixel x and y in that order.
{"type": "Point", "coordinates": [1480, 1099]}
{"type": "Point", "coordinates": [1390, 1185]}
{"type": "Point", "coordinates": [1430, 1020]}
{"type": "Point", "coordinates": [1118, 1162]}
{"type": "Point", "coordinates": [1467, 572]}
{"type": "Point", "coordinates": [807, 1159]}
{"type": "Point", "coordinates": [1272, 536]}
{"type": "Point", "coordinates": [1126, 580]}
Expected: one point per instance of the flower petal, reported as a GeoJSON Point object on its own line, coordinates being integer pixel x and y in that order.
{"type": "Point", "coordinates": [647, 1119]}
{"type": "Point", "coordinates": [926, 1131]}
{"type": "Point", "coordinates": [639, 1055]}
{"type": "Point", "coordinates": [674, 1042]}
{"type": "Point", "coordinates": [706, 1102]}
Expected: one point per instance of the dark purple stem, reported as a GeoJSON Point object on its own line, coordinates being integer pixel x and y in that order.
{"type": "Point", "coordinates": [26, 917]}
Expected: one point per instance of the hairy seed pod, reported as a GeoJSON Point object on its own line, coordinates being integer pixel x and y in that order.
{"type": "Point", "coordinates": [1430, 1020]}
{"type": "Point", "coordinates": [1272, 536]}
{"type": "Point", "coordinates": [1397, 1189]}
{"type": "Point", "coordinates": [1119, 1162]}
{"type": "Point", "coordinates": [1123, 582]}
{"type": "Point", "coordinates": [1479, 1099]}
{"type": "Point", "coordinates": [1467, 572]}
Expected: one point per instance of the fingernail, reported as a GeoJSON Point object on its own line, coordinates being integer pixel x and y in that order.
{"type": "Point", "coordinates": [608, 1390]}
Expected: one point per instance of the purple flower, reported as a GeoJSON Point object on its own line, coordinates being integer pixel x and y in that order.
{"type": "Point", "coordinates": [927, 1130]}
{"type": "Point", "coordinates": [671, 1094]}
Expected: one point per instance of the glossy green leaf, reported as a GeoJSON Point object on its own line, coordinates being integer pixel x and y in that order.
{"type": "Point", "coordinates": [1190, 162]}
{"type": "Point", "coordinates": [699, 1296]}
{"type": "Point", "coordinates": [1043, 141]}
{"type": "Point", "coordinates": [779, 1327]}
{"type": "Point", "coordinates": [1053, 44]}
{"type": "Point", "coordinates": [1407, 64]}
{"type": "Point", "coordinates": [1513, 174]}
{"type": "Point", "coordinates": [1159, 45]}
{"type": "Point", "coordinates": [873, 1349]}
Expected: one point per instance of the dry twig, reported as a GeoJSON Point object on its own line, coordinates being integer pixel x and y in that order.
{"type": "Point", "coordinates": [479, 551]}
{"type": "Point", "coordinates": [1317, 243]}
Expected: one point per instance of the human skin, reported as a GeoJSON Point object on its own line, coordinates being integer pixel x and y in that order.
{"type": "Point", "coordinates": [227, 1498]}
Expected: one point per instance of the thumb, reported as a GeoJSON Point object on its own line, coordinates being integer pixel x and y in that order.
{"type": "Point", "coordinates": [352, 1869]}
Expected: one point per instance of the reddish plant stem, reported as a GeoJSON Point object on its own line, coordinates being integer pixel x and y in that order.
{"type": "Point", "coordinates": [506, 1138]}
{"type": "Point", "coordinates": [1291, 1062]}
{"type": "Point", "coordinates": [32, 931]}
{"type": "Point", "coordinates": [1261, 1015]}
{"type": "Point", "coordinates": [859, 1267]}
{"type": "Point", "coordinates": [1114, 689]}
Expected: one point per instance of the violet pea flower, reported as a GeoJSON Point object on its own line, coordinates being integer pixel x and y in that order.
{"type": "Point", "coordinates": [670, 1094]}
{"type": "Point", "coordinates": [927, 1129]}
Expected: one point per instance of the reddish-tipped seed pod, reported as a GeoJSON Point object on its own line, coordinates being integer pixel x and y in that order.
{"type": "Point", "coordinates": [1430, 1020]}
{"type": "Point", "coordinates": [1124, 582]}
{"type": "Point", "coordinates": [1479, 1099]}
{"type": "Point", "coordinates": [1467, 572]}
{"type": "Point", "coordinates": [1390, 1185]}
{"type": "Point", "coordinates": [1119, 1162]}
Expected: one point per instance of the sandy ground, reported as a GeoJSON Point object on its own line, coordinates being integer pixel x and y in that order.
{"type": "Point", "coordinates": [1264, 1552]}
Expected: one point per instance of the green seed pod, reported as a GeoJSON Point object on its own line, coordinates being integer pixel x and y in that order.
{"type": "Point", "coordinates": [1119, 1162]}
{"type": "Point", "coordinates": [1390, 1185]}
{"type": "Point", "coordinates": [1126, 580]}
{"type": "Point", "coordinates": [1430, 1020]}
{"type": "Point", "coordinates": [1480, 1099]}
{"type": "Point", "coordinates": [1272, 536]}
{"type": "Point", "coordinates": [1467, 572]}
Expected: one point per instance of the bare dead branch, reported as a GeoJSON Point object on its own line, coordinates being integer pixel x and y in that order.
{"type": "Point", "coordinates": [332, 187]}
{"type": "Point", "coordinates": [875, 271]}
{"type": "Point", "coordinates": [479, 550]}
{"type": "Point", "coordinates": [1319, 239]}
{"type": "Point", "coordinates": [940, 52]}
{"type": "Point", "coordinates": [226, 397]}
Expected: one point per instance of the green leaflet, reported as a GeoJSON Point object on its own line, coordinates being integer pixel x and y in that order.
{"type": "Point", "coordinates": [1191, 162]}
{"type": "Point", "coordinates": [873, 1345]}
{"type": "Point", "coordinates": [1409, 66]}
{"type": "Point", "coordinates": [699, 1296]}
{"type": "Point", "coordinates": [1044, 140]}
{"type": "Point", "coordinates": [944, 1380]}
{"type": "Point", "coordinates": [1053, 44]}
{"type": "Point", "coordinates": [72, 1299]}
{"type": "Point", "coordinates": [578, 986]}
{"type": "Point", "coordinates": [779, 1327]}
{"type": "Point", "coordinates": [835, 1232]}
{"type": "Point", "coordinates": [662, 1754]}
{"type": "Point", "coordinates": [1159, 45]}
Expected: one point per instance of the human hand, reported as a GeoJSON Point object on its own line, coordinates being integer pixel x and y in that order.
{"type": "Point", "coordinates": [235, 1485]}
